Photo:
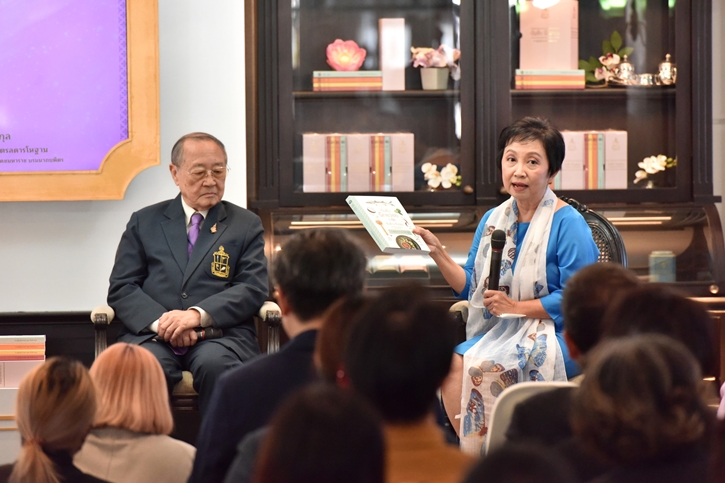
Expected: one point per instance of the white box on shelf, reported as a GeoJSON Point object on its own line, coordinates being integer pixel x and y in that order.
{"type": "Point", "coordinates": [393, 56]}
{"type": "Point", "coordinates": [572, 169]}
{"type": "Point", "coordinates": [313, 162]}
{"type": "Point", "coordinates": [358, 162]}
{"type": "Point", "coordinates": [615, 160]}
{"type": "Point", "coordinates": [402, 146]}
{"type": "Point", "coordinates": [550, 36]}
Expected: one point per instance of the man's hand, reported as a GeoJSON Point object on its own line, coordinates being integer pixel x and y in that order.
{"type": "Point", "coordinates": [174, 322]}
{"type": "Point", "coordinates": [185, 338]}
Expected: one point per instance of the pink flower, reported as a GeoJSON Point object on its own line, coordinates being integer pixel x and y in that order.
{"type": "Point", "coordinates": [609, 60]}
{"type": "Point", "coordinates": [345, 55]}
{"type": "Point", "coordinates": [602, 73]}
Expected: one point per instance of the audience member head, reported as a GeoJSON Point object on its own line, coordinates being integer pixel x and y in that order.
{"type": "Point", "coordinates": [587, 296]}
{"type": "Point", "coordinates": [529, 129]}
{"type": "Point", "coordinates": [315, 268]}
{"type": "Point", "coordinates": [131, 390]}
{"type": "Point", "coordinates": [54, 412]}
{"type": "Point", "coordinates": [641, 400]}
{"type": "Point", "coordinates": [654, 308]}
{"type": "Point", "coordinates": [332, 338]}
{"type": "Point", "coordinates": [516, 463]}
{"type": "Point", "coordinates": [399, 352]}
{"type": "Point", "coordinates": [322, 434]}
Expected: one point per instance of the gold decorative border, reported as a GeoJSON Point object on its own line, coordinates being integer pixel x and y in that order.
{"type": "Point", "coordinates": [128, 158]}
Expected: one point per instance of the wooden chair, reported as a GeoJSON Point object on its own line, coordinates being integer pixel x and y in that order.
{"type": "Point", "coordinates": [184, 397]}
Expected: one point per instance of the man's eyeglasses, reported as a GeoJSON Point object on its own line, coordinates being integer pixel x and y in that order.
{"type": "Point", "coordinates": [199, 173]}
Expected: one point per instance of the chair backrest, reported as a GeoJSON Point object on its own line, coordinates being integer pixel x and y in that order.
{"type": "Point", "coordinates": [505, 404]}
{"type": "Point", "coordinates": [606, 236]}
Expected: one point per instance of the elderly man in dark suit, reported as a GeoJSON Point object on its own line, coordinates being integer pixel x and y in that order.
{"type": "Point", "coordinates": [189, 263]}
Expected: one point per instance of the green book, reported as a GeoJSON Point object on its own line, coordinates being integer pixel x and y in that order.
{"type": "Point", "coordinates": [388, 224]}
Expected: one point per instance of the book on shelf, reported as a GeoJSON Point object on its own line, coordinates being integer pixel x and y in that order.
{"type": "Point", "coordinates": [357, 162]}
{"type": "Point", "coordinates": [388, 224]}
{"type": "Point", "coordinates": [393, 54]}
{"type": "Point", "coordinates": [337, 74]}
{"type": "Point", "coordinates": [360, 80]}
{"type": "Point", "coordinates": [594, 160]}
{"type": "Point", "coordinates": [22, 339]}
{"type": "Point", "coordinates": [12, 372]}
{"type": "Point", "coordinates": [550, 79]}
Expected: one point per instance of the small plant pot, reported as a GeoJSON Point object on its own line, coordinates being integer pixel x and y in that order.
{"type": "Point", "coordinates": [434, 78]}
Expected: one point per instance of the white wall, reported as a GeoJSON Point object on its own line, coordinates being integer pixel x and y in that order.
{"type": "Point", "coordinates": [57, 256]}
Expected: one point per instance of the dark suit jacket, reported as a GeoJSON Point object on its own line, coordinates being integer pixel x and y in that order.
{"type": "Point", "coordinates": [226, 276]}
{"type": "Point", "coordinates": [244, 399]}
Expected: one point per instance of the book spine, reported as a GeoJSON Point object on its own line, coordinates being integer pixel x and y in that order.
{"type": "Point", "coordinates": [6, 347]}
{"type": "Point", "coordinates": [387, 164]}
{"type": "Point", "coordinates": [600, 160]}
{"type": "Point", "coordinates": [615, 160]}
{"type": "Point", "coordinates": [343, 163]}
{"type": "Point", "coordinates": [572, 170]}
{"type": "Point", "coordinates": [22, 339]}
{"type": "Point", "coordinates": [335, 74]}
{"type": "Point", "coordinates": [346, 88]}
{"type": "Point", "coordinates": [20, 352]}
{"type": "Point", "coordinates": [24, 357]}
{"type": "Point", "coordinates": [591, 160]}
{"type": "Point", "coordinates": [349, 80]}
{"type": "Point", "coordinates": [530, 72]}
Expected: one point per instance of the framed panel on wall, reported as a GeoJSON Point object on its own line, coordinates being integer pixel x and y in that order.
{"type": "Point", "coordinates": [79, 98]}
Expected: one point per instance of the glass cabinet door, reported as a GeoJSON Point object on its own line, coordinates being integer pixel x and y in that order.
{"type": "Point", "coordinates": [375, 128]}
{"type": "Point", "coordinates": [617, 112]}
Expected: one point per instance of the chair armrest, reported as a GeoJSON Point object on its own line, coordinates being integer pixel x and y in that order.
{"type": "Point", "coordinates": [459, 314]}
{"type": "Point", "coordinates": [101, 317]}
{"type": "Point", "coordinates": [271, 316]}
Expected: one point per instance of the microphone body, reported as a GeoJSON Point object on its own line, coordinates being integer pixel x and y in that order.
{"type": "Point", "coordinates": [498, 241]}
{"type": "Point", "coordinates": [204, 333]}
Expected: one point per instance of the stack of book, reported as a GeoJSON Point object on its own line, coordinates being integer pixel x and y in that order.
{"type": "Point", "coordinates": [594, 160]}
{"type": "Point", "coordinates": [550, 79]}
{"type": "Point", "coordinates": [357, 162]}
{"type": "Point", "coordinates": [19, 354]}
{"type": "Point", "coordinates": [360, 80]}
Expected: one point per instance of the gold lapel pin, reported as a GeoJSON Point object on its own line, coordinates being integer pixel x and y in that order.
{"type": "Point", "coordinates": [213, 228]}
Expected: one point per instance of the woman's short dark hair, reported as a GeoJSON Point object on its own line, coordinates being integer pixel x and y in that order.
{"type": "Point", "coordinates": [641, 400]}
{"type": "Point", "coordinates": [323, 434]}
{"type": "Point", "coordinates": [332, 337]}
{"type": "Point", "coordinates": [535, 129]}
{"type": "Point", "coordinates": [504, 465]}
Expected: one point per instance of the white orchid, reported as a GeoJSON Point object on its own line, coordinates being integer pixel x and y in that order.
{"type": "Point", "coordinates": [446, 178]}
{"type": "Point", "coordinates": [653, 165]}
{"type": "Point", "coordinates": [602, 73]}
{"type": "Point", "coordinates": [449, 175]}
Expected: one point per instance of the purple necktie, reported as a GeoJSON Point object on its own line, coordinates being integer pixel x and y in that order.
{"type": "Point", "coordinates": [196, 220]}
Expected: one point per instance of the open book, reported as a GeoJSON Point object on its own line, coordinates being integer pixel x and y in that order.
{"type": "Point", "coordinates": [388, 223]}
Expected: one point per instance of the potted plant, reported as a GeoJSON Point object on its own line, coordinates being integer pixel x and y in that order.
{"type": "Point", "coordinates": [436, 65]}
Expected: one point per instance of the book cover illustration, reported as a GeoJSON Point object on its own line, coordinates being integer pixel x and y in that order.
{"type": "Point", "coordinates": [388, 224]}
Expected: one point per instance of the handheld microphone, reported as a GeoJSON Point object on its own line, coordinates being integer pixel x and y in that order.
{"type": "Point", "coordinates": [498, 241]}
{"type": "Point", "coordinates": [208, 333]}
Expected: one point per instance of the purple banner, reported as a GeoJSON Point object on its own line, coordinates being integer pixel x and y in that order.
{"type": "Point", "coordinates": [63, 83]}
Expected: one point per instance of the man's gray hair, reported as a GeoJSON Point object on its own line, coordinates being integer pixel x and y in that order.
{"type": "Point", "coordinates": [177, 152]}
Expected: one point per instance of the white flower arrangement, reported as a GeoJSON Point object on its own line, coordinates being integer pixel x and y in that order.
{"type": "Point", "coordinates": [447, 177]}
{"type": "Point", "coordinates": [653, 165]}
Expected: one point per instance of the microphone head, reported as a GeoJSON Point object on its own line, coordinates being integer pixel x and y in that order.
{"type": "Point", "coordinates": [498, 239]}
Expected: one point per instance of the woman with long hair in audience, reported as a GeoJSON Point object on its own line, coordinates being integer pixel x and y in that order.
{"type": "Point", "coordinates": [129, 440]}
{"type": "Point", "coordinates": [640, 409]}
{"type": "Point", "coordinates": [54, 412]}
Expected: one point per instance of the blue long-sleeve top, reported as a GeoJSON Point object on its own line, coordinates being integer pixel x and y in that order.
{"type": "Point", "coordinates": [571, 247]}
